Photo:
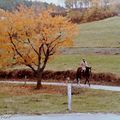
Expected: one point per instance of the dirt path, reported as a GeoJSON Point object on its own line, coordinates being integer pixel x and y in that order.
{"type": "Point", "coordinates": [99, 87]}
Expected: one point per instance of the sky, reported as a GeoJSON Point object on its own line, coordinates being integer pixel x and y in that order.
{"type": "Point", "coordinates": [57, 2]}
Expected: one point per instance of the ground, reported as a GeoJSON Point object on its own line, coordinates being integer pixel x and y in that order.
{"type": "Point", "coordinates": [20, 99]}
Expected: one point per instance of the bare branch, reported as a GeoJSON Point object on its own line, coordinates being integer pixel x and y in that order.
{"type": "Point", "coordinates": [55, 39]}
{"type": "Point", "coordinates": [15, 48]}
{"type": "Point", "coordinates": [31, 67]}
{"type": "Point", "coordinates": [52, 48]}
{"type": "Point", "coordinates": [44, 51]}
{"type": "Point", "coordinates": [52, 53]}
{"type": "Point", "coordinates": [33, 47]}
{"type": "Point", "coordinates": [46, 58]}
{"type": "Point", "coordinates": [39, 56]}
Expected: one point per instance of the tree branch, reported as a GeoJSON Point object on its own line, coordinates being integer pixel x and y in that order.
{"type": "Point", "coordinates": [52, 48]}
{"type": "Point", "coordinates": [15, 48]}
{"type": "Point", "coordinates": [33, 47]}
{"type": "Point", "coordinates": [46, 58]}
{"type": "Point", "coordinates": [39, 56]}
{"type": "Point", "coordinates": [55, 39]}
{"type": "Point", "coordinates": [31, 67]}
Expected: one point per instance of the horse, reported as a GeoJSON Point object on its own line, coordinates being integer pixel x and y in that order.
{"type": "Point", "coordinates": [86, 74]}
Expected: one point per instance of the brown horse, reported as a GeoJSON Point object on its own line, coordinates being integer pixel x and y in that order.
{"type": "Point", "coordinates": [86, 74]}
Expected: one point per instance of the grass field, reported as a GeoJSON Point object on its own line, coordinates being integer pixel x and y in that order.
{"type": "Point", "coordinates": [21, 99]}
{"type": "Point", "coordinates": [99, 63]}
{"type": "Point", "coordinates": [104, 33]}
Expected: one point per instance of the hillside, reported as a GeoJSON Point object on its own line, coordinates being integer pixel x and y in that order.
{"type": "Point", "coordinates": [104, 33]}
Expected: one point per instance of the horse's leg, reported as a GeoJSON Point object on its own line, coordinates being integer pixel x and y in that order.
{"type": "Point", "coordinates": [87, 80]}
{"type": "Point", "coordinates": [78, 80]}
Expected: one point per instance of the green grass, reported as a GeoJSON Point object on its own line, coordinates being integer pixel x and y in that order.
{"type": "Point", "coordinates": [99, 63]}
{"type": "Point", "coordinates": [96, 101]}
{"type": "Point", "coordinates": [30, 102]}
{"type": "Point", "coordinates": [43, 103]}
{"type": "Point", "coordinates": [104, 33]}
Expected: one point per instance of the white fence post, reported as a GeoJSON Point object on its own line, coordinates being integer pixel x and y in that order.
{"type": "Point", "coordinates": [69, 90]}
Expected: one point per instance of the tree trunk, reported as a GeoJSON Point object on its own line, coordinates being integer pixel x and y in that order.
{"type": "Point", "coordinates": [39, 80]}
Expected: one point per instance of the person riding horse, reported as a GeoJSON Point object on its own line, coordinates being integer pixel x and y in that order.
{"type": "Point", "coordinates": [83, 66]}
{"type": "Point", "coordinates": [84, 70]}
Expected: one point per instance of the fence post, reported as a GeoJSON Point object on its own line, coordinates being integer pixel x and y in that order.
{"type": "Point", "coordinates": [69, 91]}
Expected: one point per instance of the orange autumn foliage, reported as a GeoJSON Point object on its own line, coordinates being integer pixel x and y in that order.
{"type": "Point", "coordinates": [31, 38]}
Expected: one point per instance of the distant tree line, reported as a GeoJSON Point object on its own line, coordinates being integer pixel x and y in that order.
{"type": "Point", "coordinates": [80, 11]}
{"type": "Point", "coordinates": [13, 4]}
{"type": "Point", "coordinates": [88, 3]}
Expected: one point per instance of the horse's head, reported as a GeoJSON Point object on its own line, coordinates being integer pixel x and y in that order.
{"type": "Point", "coordinates": [88, 69]}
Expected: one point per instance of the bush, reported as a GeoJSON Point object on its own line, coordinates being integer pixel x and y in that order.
{"type": "Point", "coordinates": [89, 15]}
{"type": "Point", "coordinates": [57, 75]}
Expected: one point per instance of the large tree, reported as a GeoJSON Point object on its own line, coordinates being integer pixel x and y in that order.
{"type": "Point", "coordinates": [29, 38]}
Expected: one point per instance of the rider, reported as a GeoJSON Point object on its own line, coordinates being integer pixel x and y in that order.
{"type": "Point", "coordinates": [83, 65]}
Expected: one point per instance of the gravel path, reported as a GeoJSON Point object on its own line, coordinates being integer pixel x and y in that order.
{"type": "Point", "coordinates": [100, 87]}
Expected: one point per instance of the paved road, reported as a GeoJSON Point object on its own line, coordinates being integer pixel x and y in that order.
{"type": "Point", "coordinates": [75, 116]}
{"type": "Point", "coordinates": [100, 87]}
